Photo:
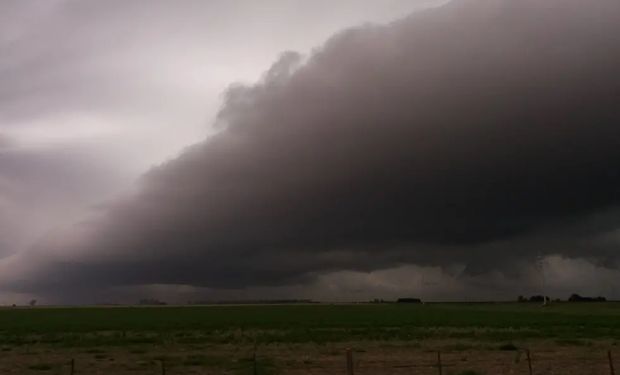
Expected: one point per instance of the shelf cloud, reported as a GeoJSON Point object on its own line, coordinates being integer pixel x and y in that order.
{"type": "Point", "coordinates": [474, 136]}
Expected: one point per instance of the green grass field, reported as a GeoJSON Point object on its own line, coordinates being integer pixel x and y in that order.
{"type": "Point", "coordinates": [306, 323]}
{"type": "Point", "coordinates": [306, 338]}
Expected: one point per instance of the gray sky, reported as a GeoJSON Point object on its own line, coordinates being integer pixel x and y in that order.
{"type": "Point", "coordinates": [205, 150]}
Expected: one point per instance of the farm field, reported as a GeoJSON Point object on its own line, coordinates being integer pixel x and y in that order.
{"type": "Point", "coordinates": [564, 338]}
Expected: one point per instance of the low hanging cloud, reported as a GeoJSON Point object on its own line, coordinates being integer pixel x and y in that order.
{"type": "Point", "coordinates": [480, 133]}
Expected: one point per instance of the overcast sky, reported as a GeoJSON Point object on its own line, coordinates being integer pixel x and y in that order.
{"type": "Point", "coordinates": [292, 149]}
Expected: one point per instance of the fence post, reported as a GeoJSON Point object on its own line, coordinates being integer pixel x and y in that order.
{"type": "Point", "coordinates": [72, 364]}
{"type": "Point", "coordinates": [349, 362]}
{"type": "Point", "coordinates": [255, 366]}
{"type": "Point", "coordinates": [611, 363]}
{"type": "Point", "coordinates": [163, 367]}
{"type": "Point", "coordinates": [439, 368]}
{"type": "Point", "coordinates": [529, 360]}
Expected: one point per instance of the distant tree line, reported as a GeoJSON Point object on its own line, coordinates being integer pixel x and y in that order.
{"type": "Point", "coordinates": [577, 298]}
{"type": "Point", "coordinates": [535, 298]}
{"type": "Point", "coordinates": [408, 300]}
{"type": "Point", "coordinates": [252, 302]}
{"type": "Point", "coordinates": [151, 302]}
{"type": "Point", "coordinates": [399, 300]}
{"type": "Point", "coordinates": [573, 298]}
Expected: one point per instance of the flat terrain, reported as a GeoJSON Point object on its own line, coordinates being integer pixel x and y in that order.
{"type": "Point", "coordinates": [564, 338]}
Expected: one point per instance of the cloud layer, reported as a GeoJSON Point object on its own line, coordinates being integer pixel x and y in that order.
{"type": "Point", "coordinates": [480, 134]}
{"type": "Point", "coordinates": [99, 92]}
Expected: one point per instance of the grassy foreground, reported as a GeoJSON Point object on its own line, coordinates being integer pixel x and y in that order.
{"type": "Point", "coordinates": [390, 339]}
{"type": "Point", "coordinates": [309, 323]}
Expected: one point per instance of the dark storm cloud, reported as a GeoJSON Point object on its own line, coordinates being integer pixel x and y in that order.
{"type": "Point", "coordinates": [479, 133]}
{"type": "Point", "coordinates": [130, 83]}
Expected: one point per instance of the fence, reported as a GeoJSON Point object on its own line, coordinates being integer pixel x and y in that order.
{"type": "Point", "coordinates": [354, 362]}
